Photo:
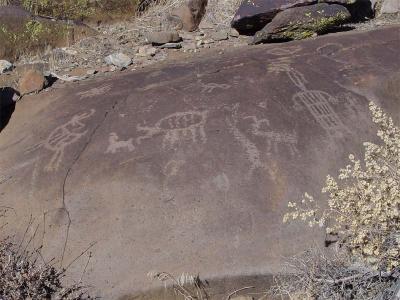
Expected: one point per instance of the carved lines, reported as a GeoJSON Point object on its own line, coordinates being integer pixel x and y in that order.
{"type": "Point", "coordinates": [63, 136]}
{"type": "Point", "coordinates": [177, 126]}
{"type": "Point", "coordinates": [115, 145]}
{"type": "Point", "coordinates": [318, 103]}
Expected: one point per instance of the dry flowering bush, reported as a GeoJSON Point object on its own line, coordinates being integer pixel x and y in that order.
{"type": "Point", "coordinates": [364, 202]}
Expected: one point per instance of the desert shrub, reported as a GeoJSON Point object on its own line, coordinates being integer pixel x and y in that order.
{"type": "Point", "coordinates": [362, 214]}
{"type": "Point", "coordinates": [364, 202]}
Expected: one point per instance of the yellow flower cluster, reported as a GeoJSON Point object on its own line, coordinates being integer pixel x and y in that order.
{"type": "Point", "coordinates": [364, 202]}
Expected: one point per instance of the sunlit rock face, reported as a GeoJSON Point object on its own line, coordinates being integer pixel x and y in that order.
{"type": "Point", "coordinates": [189, 166]}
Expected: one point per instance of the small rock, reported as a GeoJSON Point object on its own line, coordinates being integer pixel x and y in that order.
{"type": "Point", "coordinates": [146, 51]}
{"type": "Point", "coordinates": [5, 66]}
{"type": "Point", "coordinates": [206, 25]}
{"type": "Point", "coordinates": [119, 60]}
{"type": "Point", "coordinates": [219, 35]}
{"type": "Point", "coordinates": [190, 46]}
{"type": "Point", "coordinates": [171, 46]}
{"type": "Point", "coordinates": [390, 7]}
{"type": "Point", "coordinates": [234, 33]}
{"type": "Point", "coordinates": [163, 37]}
{"type": "Point", "coordinates": [32, 81]}
{"type": "Point", "coordinates": [208, 41]}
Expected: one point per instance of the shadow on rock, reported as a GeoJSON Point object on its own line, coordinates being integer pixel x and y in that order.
{"type": "Point", "coordinates": [7, 105]}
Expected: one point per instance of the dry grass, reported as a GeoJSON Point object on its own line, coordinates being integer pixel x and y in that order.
{"type": "Point", "coordinates": [219, 13]}
{"type": "Point", "coordinates": [24, 274]}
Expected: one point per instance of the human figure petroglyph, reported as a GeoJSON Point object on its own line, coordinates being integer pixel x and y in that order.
{"type": "Point", "coordinates": [261, 127]}
{"type": "Point", "coordinates": [98, 91]}
{"type": "Point", "coordinates": [63, 136]}
{"type": "Point", "coordinates": [177, 126]}
{"type": "Point", "coordinates": [115, 145]}
{"type": "Point", "coordinates": [318, 103]}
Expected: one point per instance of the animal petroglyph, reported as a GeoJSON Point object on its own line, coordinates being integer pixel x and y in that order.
{"type": "Point", "coordinates": [274, 138]}
{"type": "Point", "coordinates": [115, 145]}
{"type": "Point", "coordinates": [176, 127]}
{"type": "Point", "coordinates": [318, 103]}
{"type": "Point", "coordinates": [63, 136]}
{"type": "Point", "coordinates": [98, 91]}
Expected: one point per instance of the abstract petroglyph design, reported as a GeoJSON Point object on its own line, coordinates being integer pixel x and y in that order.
{"type": "Point", "coordinates": [115, 145]}
{"type": "Point", "coordinates": [98, 91]}
{"type": "Point", "coordinates": [274, 138]}
{"type": "Point", "coordinates": [251, 150]}
{"type": "Point", "coordinates": [318, 103]}
{"type": "Point", "coordinates": [63, 136]}
{"type": "Point", "coordinates": [178, 126]}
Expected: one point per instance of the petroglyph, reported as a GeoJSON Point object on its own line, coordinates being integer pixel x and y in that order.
{"type": "Point", "coordinates": [98, 91]}
{"type": "Point", "coordinates": [63, 136]}
{"type": "Point", "coordinates": [274, 138]}
{"type": "Point", "coordinates": [172, 167]}
{"type": "Point", "coordinates": [318, 103]}
{"type": "Point", "coordinates": [284, 51]}
{"type": "Point", "coordinates": [115, 145]}
{"type": "Point", "coordinates": [223, 184]}
{"type": "Point", "coordinates": [176, 127]}
{"type": "Point", "coordinates": [252, 152]}
{"type": "Point", "coordinates": [211, 86]}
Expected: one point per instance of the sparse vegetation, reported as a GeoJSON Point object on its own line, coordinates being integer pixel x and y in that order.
{"type": "Point", "coordinates": [363, 214]}
{"type": "Point", "coordinates": [24, 274]}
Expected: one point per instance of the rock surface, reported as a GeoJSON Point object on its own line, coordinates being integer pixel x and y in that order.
{"type": "Point", "coordinates": [190, 14]}
{"type": "Point", "coordinates": [163, 37]}
{"type": "Point", "coordinates": [5, 66]}
{"type": "Point", "coordinates": [31, 81]}
{"type": "Point", "coordinates": [253, 15]}
{"type": "Point", "coordinates": [120, 60]}
{"type": "Point", "coordinates": [303, 22]}
{"type": "Point", "coordinates": [189, 167]}
{"type": "Point", "coordinates": [390, 7]}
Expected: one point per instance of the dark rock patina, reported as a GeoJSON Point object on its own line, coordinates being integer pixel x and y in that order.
{"type": "Point", "coordinates": [303, 22]}
{"type": "Point", "coordinates": [253, 15]}
{"type": "Point", "coordinates": [189, 167]}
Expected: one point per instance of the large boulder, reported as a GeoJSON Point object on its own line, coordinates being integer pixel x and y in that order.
{"type": "Point", "coordinates": [253, 15]}
{"type": "Point", "coordinates": [190, 14]}
{"type": "Point", "coordinates": [188, 167]}
{"type": "Point", "coordinates": [303, 22]}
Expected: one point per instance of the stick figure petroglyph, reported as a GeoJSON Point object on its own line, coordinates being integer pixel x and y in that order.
{"type": "Point", "coordinates": [63, 136]}
{"type": "Point", "coordinates": [318, 103]}
{"type": "Point", "coordinates": [177, 126]}
{"type": "Point", "coordinates": [115, 145]}
{"type": "Point", "coordinates": [261, 127]}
